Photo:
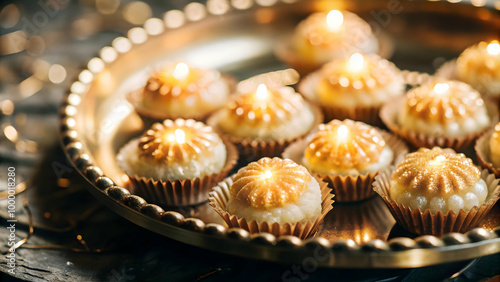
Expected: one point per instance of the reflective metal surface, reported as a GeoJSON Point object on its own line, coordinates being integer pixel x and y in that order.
{"type": "Point", "coordinates": [97, 120]}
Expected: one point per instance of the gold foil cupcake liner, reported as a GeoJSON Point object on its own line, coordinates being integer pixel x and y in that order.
{"type": "Point", "coordinates": [388, 115]}
{"type": "Point", "coordinates": [149, 117]}
{"type": "Point", "coordinates": [437, 224]}
{"type": "Point", "coordinates": [251, 149]}
{"type": "Point", "coordinates": [183, 192]}
{"type": "Point", "coordinates": [350, 188]}
{"type": "Point", "coordinates": [368, 115]}
{"type": "Point", "coordinates": [483, 153]}
{"type": "Point", "coordinates": [221, 194]}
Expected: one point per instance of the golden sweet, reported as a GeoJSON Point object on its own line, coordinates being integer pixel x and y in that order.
{"type": "Point", "coordinates": [178, 82]}
{"type": "Point", "coordinates": [270, 183]}
{"type": "Point", "coordinates": [436, 172]}
{"type": "Point", "coordinates": [367, 72]}
{"type": "Point", "coordinates": [177, 141]}
{"type": "Point", "coordinates": [480, 61]}
{"type": "Point", "coordinates": [341, 34]}
{"type": "Point", "coordinates": [344, 145]}
{"type": "Point", "coordinates": [265, 107]}
{"type": "Point", "coordinates": [495, 146]}
{"type": "Point", "coordinates": [444, 101]}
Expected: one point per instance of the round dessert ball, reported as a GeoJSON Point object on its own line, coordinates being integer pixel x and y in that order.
{"type": "Point", "coordinates": [174, 150]}
{"type": "Point", "coordinates": [346, 148]}
{"type": "Point", "coordinates": [359, 80]}
{"type": "Point", "coordinates": [266, 114]}
{"type": "Point", "coordinates": [322, 37]}
{"type": "Point", "coordinates": [179, 91]}
{"type": "Point", "coordinates": [444, 108]}
{"type": "Point", "coordinates": [479, 66]}
{"type": "Point", "coordinates": [439, 180]}
{"type": "Point", "coordinates": [495, 146]}
{"type": "Point", "coordinates": [275, 190]}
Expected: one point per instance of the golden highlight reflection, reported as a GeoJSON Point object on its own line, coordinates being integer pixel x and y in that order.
{"type": "Point", "coordinates": [57, 73]}
{"type": "Point", "coordinates": [217, 7]}
{"type": "Point", "coordinates": [40, 69]}
{"type": "Point", "coordinates": [174, 18]}
{"type": "Point", "coordinates": [266, 3]}
{"type": "Point", "coordinates": [478, 3]}
{"type": "Point", "coordinates": [122, 44]}
{"type": "Point", "coordinates": [108, 54]}
{"type": "Point", "coordinates": [35, 45]}
{"type": "Point", "coordinates": [9, 16]}
{"type": "Point", "coordinates": [154, 26]}
{"type": "Point", "coordinates": [241, 4]}
{"type": "Point", "coordinates": [13, 42]}
{"type": "Point", "coordinates": [107, 7]}
{"type": "Point", "coordinates": [78, 87]}
{"type": "Point", "coordinates": [195, 11]}
{"type": "Point", "coordinates": [86, 76]}
{"type": "Point", "coordinates": [137, 12]}
{"type": "Point", "coordinates": [95, 65]}
{"type": "Point", "coordinates": [497, 5]}
{"type": "Point", "coordinates": [137, 35]}
{"type": "Point", "coordinates": [30, 86]}
{"type": "Point", "coordinates": [11, 133]}
{"type": "Point", "coordinates": [7, 107]}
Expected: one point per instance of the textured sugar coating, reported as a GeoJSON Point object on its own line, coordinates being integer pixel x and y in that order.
{"type": "Point", "coordinates": [206, 91]}
{"type": "Point", "coordinates": [439, 180]}
{"type": "Point", "coordinates": [477, 67]}
{"type": "Point", "coordinates": [313, 41]}
{"type": "Point", "coordinates": [455, 111]}
{"type": "Point", "coordinates": [275, 190]}
{"type": "Point", "coordinates": [359, 149]}
{"type": "Point", "coordinates": [284, 114]}
{"type": "Point", "coordinates": [378, 83]}
{"type": "Point", "coordinates": [154, 156]}
{"type": "Point", "coordinates": [495, 146]}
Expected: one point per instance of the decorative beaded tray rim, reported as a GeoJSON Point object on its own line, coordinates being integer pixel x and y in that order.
{"type": "Point", "coordinates": [397, 252]}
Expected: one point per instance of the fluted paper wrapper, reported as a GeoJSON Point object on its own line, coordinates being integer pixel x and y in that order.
{"type": "Point", "coordinates": [437, 224]}
{"type": "Point", "coordinates": [370, 115]}
{"type": "Point", "coordinates": [251, 149]}
{"type": "Point", "coordinates": [350, 188]}
{"type": "Point", "coordinates": [389, 113]}
{"type": "Point", "coordinates": [149, 117]}
{"type": "Point", "coordinates": [483, 153]}
{"type": "Point", "coordinates": [221, 194]}
{"type": "Point", "coordinates": [183, 192]}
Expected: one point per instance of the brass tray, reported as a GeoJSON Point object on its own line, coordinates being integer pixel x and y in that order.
{"type": "Point", "coordinates": [238, 37]}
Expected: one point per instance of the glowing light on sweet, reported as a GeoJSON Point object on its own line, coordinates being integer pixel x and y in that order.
{"type": "Point", "coordinates": [262, 93]}
{"type": "Point", "coordinates": [268, 174]}
{"type": "Point", "coordinates": [179, 137]}
{"type": "Point", "coordinates": [342, 133]}
{"type": "Point", "coordinates": [437, 161]}
{"type": "Point", "coordinates": [441, 88]}
{"type": "Point", "coordinates": [493, 48]}
{"type": "Point", "coordinates": [356, 63]}
{"type": "Point", "coordinates": [334, 20]}
{"type": "Point", "coordinates": [181, 71]}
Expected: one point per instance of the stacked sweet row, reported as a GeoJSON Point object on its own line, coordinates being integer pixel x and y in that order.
{"type": "Point", "coordinates": [201, 126]}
